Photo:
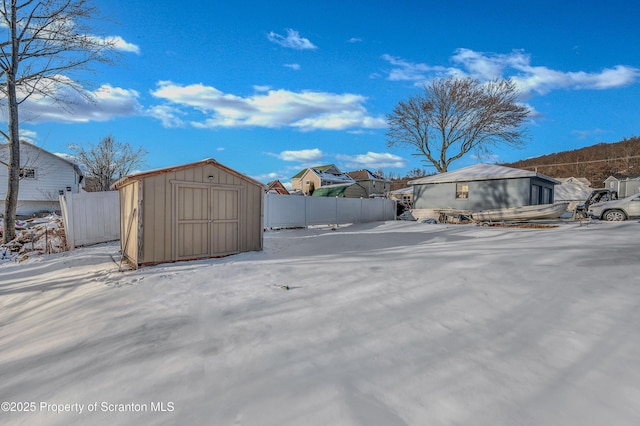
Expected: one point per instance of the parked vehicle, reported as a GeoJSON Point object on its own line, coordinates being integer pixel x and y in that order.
{"type": "Point", "coordinates": [623, 209]}
{"type": "Point", "coordinates": [597, 196]}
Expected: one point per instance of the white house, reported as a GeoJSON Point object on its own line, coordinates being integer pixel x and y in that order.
{"type": "Point", "coordinates": [43, 176]}
{"type": "Point", "coordinates": [625, 185]}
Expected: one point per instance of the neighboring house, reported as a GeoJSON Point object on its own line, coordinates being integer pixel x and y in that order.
{"type": "Point", "coordinates": [482, 187]}
{"type": "Point", "coordinates": [374, 184]}
{"type": "Point", "coordinates": [573, 190]}
{"type": "Point", "coordinates": [343, 190]}
{"type": "Point", "coordinates": [403, 195]}
{"type": "Point", "coordinates": [626, 185]}
{"type": "Point", "coordinates": [276, 187]}
{"type": "Point", "coordinates": [308, 180]}
{"type": "Point", "coordinates": [579, 181]}
{"type": "Point", "coordinates": [43, 177]}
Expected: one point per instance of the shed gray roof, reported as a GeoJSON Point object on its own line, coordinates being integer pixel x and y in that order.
{"type": "Point", "coordinates": [480, 172]}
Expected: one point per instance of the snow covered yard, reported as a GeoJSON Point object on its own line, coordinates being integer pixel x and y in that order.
{"type": "Point", "coordinates": [394, 323]}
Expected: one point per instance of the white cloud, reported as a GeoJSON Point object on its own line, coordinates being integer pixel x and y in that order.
{"type": "Point", "coordinates": [373, 160]}
{"type": "Point", "coordinates": [543, 80]}
{"type": "Point", "coordinates": [354, 40]}
{"type": "Point", "coordinates": [295, 67]}
{"type": "Point", "coordinates": [584, 134]}
{"type": "Point", "coordinates": [303, 155]}
{"type": "Point", "coordinates": [121, 44]}
{"type": "Point", "coordinates": [168, 115]}
{"type": "Point", "coordinates": [409, 71]}
{"type": "Point", "coordinates": [70, 103]}
{"type": "Point", "coordinates": [516, 65]}
{"type": "Point", "coordinates": [293, 40]}
{"type": "Point", "coordinates": [28, 135]}
{"type": "Point", "coordinates": [117, 42]}
{"type": "Point", "coordinates": [267, 177]}
{"type": "Point", "coordinates": [306, 110]}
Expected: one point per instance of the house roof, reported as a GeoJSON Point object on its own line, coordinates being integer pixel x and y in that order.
{"type": "Point", "coordinates": [320, 168]}
{"type": "Point", "coordinates": [332, 177]}
{"type": "Point", "coordinates": [580, 181]}
{"type": "Point", "coordinates": [276, 185]}
{"type": "Point", "coordinates": [75, 166]}
{"type": "Point", "coordinates": [336, 190]}
{"type": "Point", "coordinates": [407, 190]}
{"type": "Point", "coordinates": [480, 172]}
{"type": "Point", "coordinates": [365, 174]}
{"type": "Point", "coordinates": [326, 173]}
{"type": "Point", "coordinates": [141, 175]}
{"type": "Point", "coordinates": [623, 177]}
{"type": "Point", "coordinates": [571, 191]}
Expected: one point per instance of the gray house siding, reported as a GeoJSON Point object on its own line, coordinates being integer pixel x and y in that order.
{"type": "Point", "coordinates": [484, 194]}
{"type": "Point", "coordinates": [543, 195]}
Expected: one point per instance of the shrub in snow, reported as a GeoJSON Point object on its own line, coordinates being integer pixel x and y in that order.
{"type": "Point", "coordinates": [4, 254]}
{"type": "Point", "coordinates": [41, 235]}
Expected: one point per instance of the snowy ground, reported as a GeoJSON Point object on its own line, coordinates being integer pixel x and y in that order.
{"type": "Point", "coordinates": [394, 323]}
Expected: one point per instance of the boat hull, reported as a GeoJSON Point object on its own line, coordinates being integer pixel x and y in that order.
{"type": "Point", "coordinates": [540, 211]}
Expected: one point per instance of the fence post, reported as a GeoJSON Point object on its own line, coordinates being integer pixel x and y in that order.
{"type": "Point", "coordinates": [265, 209]}
{"type": "Point", "coordinates": [66, 207]}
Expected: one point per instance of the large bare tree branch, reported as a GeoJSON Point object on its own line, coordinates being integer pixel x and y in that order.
{"type": "Point", "coordinates": [454, 116]}
{"type": "Point", "coordinates": [44, 41]}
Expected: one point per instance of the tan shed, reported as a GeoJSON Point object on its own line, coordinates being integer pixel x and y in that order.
{"type": "Point", "coordinates": [193, 211]}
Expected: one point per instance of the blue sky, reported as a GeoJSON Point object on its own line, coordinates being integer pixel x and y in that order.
{"type": "Point", "coordinates": [270, 87]}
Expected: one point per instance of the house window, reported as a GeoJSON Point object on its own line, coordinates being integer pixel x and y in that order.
{"type": "Point", "coordinates": [27, 174]}
{"type": "Point", "coordinates": [462, 190]}
{"type": "Point", "coordinates": [306, 182]}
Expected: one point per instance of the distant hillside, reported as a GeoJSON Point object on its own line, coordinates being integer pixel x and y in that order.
{"type": "Point", "coordinates": [596, 162]}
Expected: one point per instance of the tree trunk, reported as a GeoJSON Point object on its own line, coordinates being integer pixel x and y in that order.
{"type": "Point", "coordinates": [13, 173]}
{"type": "Point", "coordinates": [11, 202]}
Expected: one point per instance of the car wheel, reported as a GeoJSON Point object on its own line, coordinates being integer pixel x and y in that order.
{"type": "Point", "coordinates": [614, 215]}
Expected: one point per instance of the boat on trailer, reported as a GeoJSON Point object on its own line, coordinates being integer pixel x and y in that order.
{"type": "Point", "coordinates": [535, 212]}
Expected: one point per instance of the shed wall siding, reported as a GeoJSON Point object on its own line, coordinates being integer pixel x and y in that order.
{"type": "Point", "coordinates": [129, 221]}
{"type": "Point", "coordinates": [158, 214]}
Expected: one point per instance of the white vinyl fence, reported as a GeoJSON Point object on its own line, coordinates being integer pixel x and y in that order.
{"type": "Point", "coordinates": [289, 211]}
{"type": "Point", "coordinates": [90, 217]}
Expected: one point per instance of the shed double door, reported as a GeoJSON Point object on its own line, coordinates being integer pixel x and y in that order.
{"type": "Point", "coordinates": [207, 221]}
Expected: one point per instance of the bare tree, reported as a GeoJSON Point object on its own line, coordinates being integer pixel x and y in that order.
{"type": "Point", "coordinates": [43, 42]}
{"type": "Point", "coordinates": [107, 162]}
{"type": "Point", "coordinates": [455, 116]}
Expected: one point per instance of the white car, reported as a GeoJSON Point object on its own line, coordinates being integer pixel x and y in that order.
{"type": "Point", "coordinates": [623, 209]}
